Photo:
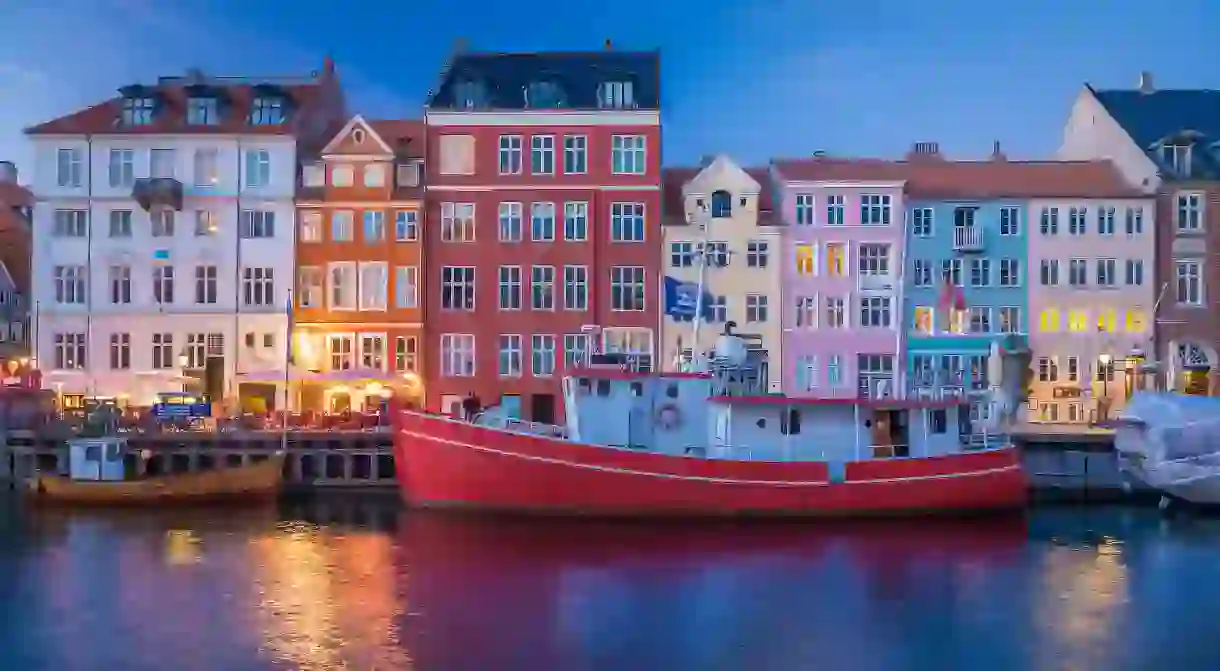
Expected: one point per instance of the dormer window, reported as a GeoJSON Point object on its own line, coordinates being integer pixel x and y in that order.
{"type": "Point", "coordinates": [544, 95]}
{"type": "Point", "coordinates": [616, 95]}
{"type": "Point", "coordinates": [1177, 157]}
{"type": "Point", "coordinates": [138, 110]}
{"type": "Point", "coordinates": [202, 111]}
{"type": "Point", "coordinates": [722, 204]}
{"type": "Point", "coordinates": [267, 111]}
{"type": "Point", "coordinates": [469, 95]}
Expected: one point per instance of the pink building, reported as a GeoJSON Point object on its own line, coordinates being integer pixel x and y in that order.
{"type": "Point", "coordinates": [842, 262]}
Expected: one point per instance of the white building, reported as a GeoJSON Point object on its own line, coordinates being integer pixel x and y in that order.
{"type": "Point", "coordinates": [165, 232]}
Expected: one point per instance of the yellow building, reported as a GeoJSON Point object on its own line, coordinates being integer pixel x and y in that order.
{"type": "Point", "coordinates": [727, 208]}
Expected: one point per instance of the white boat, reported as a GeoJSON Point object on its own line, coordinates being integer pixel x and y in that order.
{"type": "Point", "coordinates": [1171, 443]}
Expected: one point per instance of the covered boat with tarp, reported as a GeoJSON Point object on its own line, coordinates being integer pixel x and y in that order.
{"type": "Point", "coordinates": [1171, 442]}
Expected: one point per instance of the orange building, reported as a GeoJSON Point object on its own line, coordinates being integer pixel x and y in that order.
{"type": "Point", "coordinates": [358, 304]}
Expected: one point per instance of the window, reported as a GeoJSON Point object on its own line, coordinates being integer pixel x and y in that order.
{"type": "Point", "coordinates": [718, 309]}
{"type": "Point", "coordinates": [1010, 272]}
{"type": "Point", "coordinates": [311, 289]}
{"type": "Point", "coordinates": [207, 172]}
{"type": "Point", "coordinates": [406, 354]}
{"type": "Point", "coordinates": [575, 160]}
{"type": "Point", "coordinates": [457, 222]}
{"type": "Point", "coordinates": [1077, 220]}
{"type": "Point", "coordinates": [834, 210]}
{"type": "Point", "coordinates": [1010, 221]}
{"type": "Point", "coordinates": [980, 320]}
{"type": "Point", "coordinates": [313, 175]}
{"type": "Point", "coordinates": [206, 223]}
{"type": "Point", "coordinates": [756, 308]}
{"type": "Point", "coordinates": [1135, 322]}
{"type": "Point", "coordinates": [925, 320]}
{"type": "Point", "coordinates": [1105, 221]}
{"type": "Point", "coordinates": [716, 254]}
{"type": "Point", "coordinates": [342, 351]}
{"type": "Point", "coordinates": [457, 288]}
{"type": "Point", "coordinates": [1177, 157]}
{"type": "Point", "coordinates": [343, 286]}
{"type": "Point", "coordinates": [406, 287]}
{"type": "Point", "coordinates": [804, 209]}
{"type": "Point", "coordinates": [70, 285]}
{"type": "Point", "coordinates": [756, 254]}
{"type": "Point", "coordinates": [1135, 221]}
{"type": "Point", "coordinates": [542, 222]}
{"type": "Point", "coordinates": [951, 272]}
{"type": "Point", "coordinates": [1048, 369]}
{"type": "Point", "coordinates": [161, 163]}
{"type": "Point", "coordinates": [69, 168]}
{"type": "Point", "coordinates": [575, 288]}
{"type": "Point", "coordinates": [457, 355]}
{"type": "Point", "coordinates": [374, 276]}
{"type": "Point", "coordinates": [311, 226]}
{"type": "Point", "coordinates": [342, 226]}
{"type": "Point", "coordinates": [372, 351]}
{"type": "Point", "coordinates": [542, 355]}
{"type": "Point", "coordinates": [342, 176]}
{"type": "Point", "coordinates": [205, 285]}
{"type": "Point", "coordinates": [544, 94]}
{"type": "Point", "coordinates": [374, 175]}
{"type": "Point", "coordinates": [874, 210]}
{"type": "Point", "coordinates": [267, 111]}
{"type": "Point", "coordinates": [374, 226]}
{"type": "Point", "coordinates": [616, 95]}
{"type": "Point", "coordinates": [510, 154]}
{"type": "Point", "coordinates": [576, 221]}
{"type": "Point", "coordinates": [1078, 321]}
{"type": "Point", "coordinates": [804, 259]}
{"type": "Point", "coordinates": [874, 259]}
{"type": "Point", "coordinates": [1078, 272]}
{"type": "Point", "coordinates": [120, 351]}
{"type": "Point", "coordinates": [921, 222]}
{"type": "Point", "coordinates": [258, 286]}
{"type": "Point", "coordinates": [834, 370]}
{"type": "Point", "coordinates": [510, 287]}
{"type": "Point", "coordinates": [122, 168]}
{"type": "Point", "coordinates": [1107, 275]}
{"type": "Point", "coordinates": [69, 350]}
{"type": "Point", "coordinates": [875, 311]}
{"type": "Point", "coordinates": [69, 224]}
{"type": "Point", "coordinates": [542, 154]}
{"type": "Point", "coordinates": [510, 222]}
{"type": "Point", "coordinates": [980, 272]}
{"type": "Point", "coordinates": [163, 351]}
{"type": "Point", "coordinates": [1049, 321]}
{"type": "Point", "coordinates": [162, 223]}
{"type": "Point", "coordinates": [1049, 223]}
{"type": "Point", "coordinates": [1189, 212]}
{"type": "Point", "coordinates": [627, 290]}
{"type": "Point", "coordinates": [627, 222]}
{"type": "Point", "coordinates": [627, 156]}
{"type": "Point", "coordinates": [681, 254]}
{"type": "Point", "coordinates": [1189, 278]}
{"type": "Point", "coordinates": [542, 288]}
{"type": "Point", "coordinates": [202, 112]}
{"type": "Point", "coordinates": [1135, 272]}
{"type": "Point", "coordinates": [836, 259]}
{"type": "Point", "coordinates": [722, 204]}
{"type": "Point", "coordinates": [1073, 369]}
{"type": "Point", "coordinates": [575, 350]}
{"type": "Point", "coordinates": [257, 224]}
{"type": "Point", "coordinates": [1049, 273]}
{"type": "Point", "coordinates": [806, 312]}
{"type": "Point", "coordinates": [120, 224]}
{"type": "Point", "coordinates": [138, 111]}
{"type": "Point", "coordinates": [1107, 321]}
{"type": "Point", "coordinates": [258, 168]}
{"type": "Point", "coordinates": [921, 271]}
{"type": "Point", "coordinates": [835, 313]}
{"type": "Point", "coordinates": [120, 285]}
{"type": "Point", "coordinates": [510, 355]}
{"type": "Point", "coordinates": [406, 225]}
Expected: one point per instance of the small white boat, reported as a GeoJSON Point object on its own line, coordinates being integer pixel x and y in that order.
{"type": "Point", "coordinates": [1171, 443]}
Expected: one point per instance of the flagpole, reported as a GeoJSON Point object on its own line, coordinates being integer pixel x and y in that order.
{"type": "Point", "coordinates": [287, 372]}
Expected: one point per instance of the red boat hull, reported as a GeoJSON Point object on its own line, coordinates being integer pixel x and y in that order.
{"type": "Point", "coordinates": [444, 463]}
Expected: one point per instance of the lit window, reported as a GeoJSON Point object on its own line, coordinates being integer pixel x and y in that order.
{"type": "Point", "coordinates": [1049, 320]}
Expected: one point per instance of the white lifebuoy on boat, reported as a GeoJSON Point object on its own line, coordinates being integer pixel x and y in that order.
{"type": "Point", "coordinates": [668, 417]}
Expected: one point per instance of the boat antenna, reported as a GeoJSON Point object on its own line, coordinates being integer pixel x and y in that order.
{"type": "Point", "coordinates": [703, 256]}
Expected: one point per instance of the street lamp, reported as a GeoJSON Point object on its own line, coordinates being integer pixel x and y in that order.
{"type": "Point", "coordinates": [1105, 360]}
{"type": "Point", "coordinates": [183, 362]}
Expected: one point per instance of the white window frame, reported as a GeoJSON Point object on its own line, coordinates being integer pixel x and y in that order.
{"type": "Point", "coordinates": [542, 155]}
{"type": "Point", "coordinates": [406, 287]}
{"type": "Point", "coordinates": [575, 154]}
{"type": "Point", "coordinates": [509, 355]}
{"type": "Point", "coordinates": [576, 221]}
{"type": "Point", "coordinates": [576, 288]}
{"type": "Point", "coordinates": [628, 289]}
{"type": "Point", "coordinates": [342, 286]}
{"type": "Point", "coordinates": [542, 355]}
{"type": "Point", "coordinates": [628, 155]}
{"type": "Point", "coordinates": [458, 355]}
{"type": "Point", "coordinates": [542, 288]}
{"type": "Point", "coordinates": [372, 286]}
{"type": "Point", "coordinates": [1189, 287]}
{"type": "Point", "coordinates": [542, 222]}
{"type": "Point", "coordinates": [511, 279]}
{"type": "Point", "coordinates": [628, 222]}
{"type": "Point", "coordinates": [457, 222]}
{"type": "Point", "coordinates": [511, 159]}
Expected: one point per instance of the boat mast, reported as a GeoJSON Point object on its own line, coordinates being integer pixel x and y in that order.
{"type": "Point", "coordinates": [698, 361]}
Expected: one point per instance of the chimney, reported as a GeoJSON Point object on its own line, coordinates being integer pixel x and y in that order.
{"type": "Point", "coordinates": [996, 153]}
{"type": "Point", "coordinates": [923, 150]}
{"type": "Point", "coordinates": [328, 67]}
{"type": "Point", "coordinates": [8, 172]}
{"type": "Point", "coordinates": [609, 45]}
{"type": "Point", "coordinates": [1146, 83]}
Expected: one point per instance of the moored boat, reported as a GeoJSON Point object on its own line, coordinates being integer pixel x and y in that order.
{"type": "Point", "coordinates": [713, 444]}
{"type": "Point", "coordinates": [98, 477]}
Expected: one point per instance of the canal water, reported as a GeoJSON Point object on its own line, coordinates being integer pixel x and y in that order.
{"type": "Point", "coordinates": [343, 584]}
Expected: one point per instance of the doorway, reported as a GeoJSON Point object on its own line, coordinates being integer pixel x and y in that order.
{"type": "Point", "coordinates": [890, 434]}
{"type": "Point", "coordinates": [542, 408]}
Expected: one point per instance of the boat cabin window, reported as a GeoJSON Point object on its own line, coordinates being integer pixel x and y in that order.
{"type": "Point", "coordinates": [603, 387]}
{"type": "Point", "coordinates": [93, 453]}
{"type": "Point", "coordinates": [939, 420]}
{"type": "Point", "coordinates": [637, 389]}
{"type": "Point", "coordinates": [584, 384]}
{"type": "Point", "coordinates": [761, 423]}
{"type": "Point", "coordinates": [671, 391]}
{"type": "Point", "coordinates": [790, 422]}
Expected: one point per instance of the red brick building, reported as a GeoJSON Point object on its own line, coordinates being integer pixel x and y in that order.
{"type": "Point", "coordinates": [544, 237]}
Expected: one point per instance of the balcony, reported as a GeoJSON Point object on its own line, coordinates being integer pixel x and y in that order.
{"type": "Point", "coordinates": [882, 284]}
{"type": "Point", "coordinates": [967, 239]}
{"type": "Point", "coordinates": [152, 192]}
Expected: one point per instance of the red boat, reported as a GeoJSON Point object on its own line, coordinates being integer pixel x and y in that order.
{"type": "Point", "coordinates": [708, 444]}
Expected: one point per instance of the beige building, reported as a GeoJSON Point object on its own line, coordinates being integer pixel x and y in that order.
{"type": "Point", "coordinates": [727, 208]}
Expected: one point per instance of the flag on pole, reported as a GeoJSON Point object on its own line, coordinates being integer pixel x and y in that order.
{"type": "Point", "coordinates": [288, 354]}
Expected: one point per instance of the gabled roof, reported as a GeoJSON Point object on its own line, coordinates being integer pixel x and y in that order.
{"type": "Point", "coordinates": [673, 200]}
{"type": "Point", "coordinates": [942, 179]}
{"type": "Point", "coordinates": [378, 145]}
{"type": "Point", "coordinates": [504, 78]}
{"type": "Point", "coordinates": [1152, 117]}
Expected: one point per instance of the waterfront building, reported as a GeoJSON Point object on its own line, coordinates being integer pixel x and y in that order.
{"type": "Point", "coordinates": [167, 222]}
{"type": "Point", "coordinates": [841, 262]}
{"type": "Point", "coordinates": [16, 210]}
{"type": "Point", "coordinates": [1167, 143]}
{"type": "Point", "coordinates": [358, 314]}
{"type": "Point", "coordinates": [724, 210]}
{"type": "Point", "coordinates": [543, 179]}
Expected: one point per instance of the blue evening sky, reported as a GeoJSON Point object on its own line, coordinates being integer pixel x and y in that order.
{"type": "Point", "coordinates": [753, 78]}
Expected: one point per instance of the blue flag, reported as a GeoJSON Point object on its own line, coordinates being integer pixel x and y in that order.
{"type": "Point", "coordinates": [681, 298]}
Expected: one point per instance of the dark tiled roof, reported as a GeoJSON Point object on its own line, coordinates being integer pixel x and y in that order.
{"type": "Point", "coordinates": [941, 179]}
{"type": "Point", "coordinates": [1152, 117]}
{"type": "Point", "coordinates": [673, 205]}
{"type": "Point", "coordinates": [405, 136]}
{"type": "Point", "coordinates": [505, 77]}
